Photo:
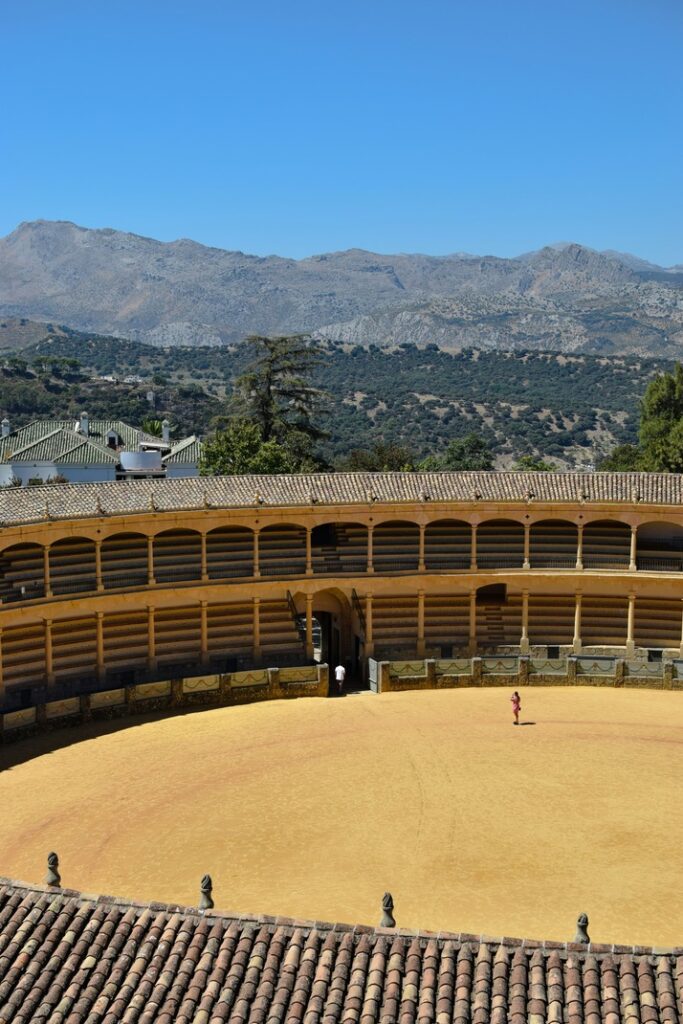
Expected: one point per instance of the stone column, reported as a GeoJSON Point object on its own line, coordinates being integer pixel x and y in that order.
{"type": "Point", "coordinates": [151, 640]}
{"type": "Point", "coordinates": [46, 571]}
{"type": "Point", "coordinates": [576, 643]}
{"type": "Point", "coordinates": [369, 640]}
{"type": "Point", "coordinates": [150, 561]}
{"type": "Point", "coordinates": [473, 548]}
{"type": "Point", "coordinates": [204, 632]}
{"type": "Point", "coordinates": [205, 566]}
{"type": "Point", "coordinates": [472, 642]}
{"type": "Point", "coordinates": [524, 639]}
{"type": "Point", "coordinates": [421, 550]}
{"type": "Point", "coordinates": [370, 566]}
{"type": "Point", "coordinates": [49, 667]}
{"type": "Point", "coordinates": [256, 568]}
{"type": "Point", "coordinates": [579, 547]}
{"type": "Point", "coordinates": [309, 553]}
{"type": "Point", "coordinates": [256, 631]}
{"type": "Point", "coordinates": [421, 624]}
{"type": "Point", "coordinates": [632, 561]}
{"type": "Point", "coordinates": [527, 546]}
{"type": "Point", "coordinates": [680, 650]}
{"type": "Point", "coordinates": [98, 565]}
{"type": "Point", "coordinates": [99, 642]}
{"type": "Point", "coordinates": [630, 627]}
{"type": "Point", "coordinates": [2, 674]}
{"type": "Point", "coordinates": [309, 627]}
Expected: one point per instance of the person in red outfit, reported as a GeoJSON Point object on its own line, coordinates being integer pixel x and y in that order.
{"type": "Point", "coordinates": [516, 702]}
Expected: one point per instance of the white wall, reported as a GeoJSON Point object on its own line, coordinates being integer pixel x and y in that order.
{"type": "Point", "coordinates": [26, 471]}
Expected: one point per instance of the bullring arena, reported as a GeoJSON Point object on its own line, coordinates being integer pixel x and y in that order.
{"type": "Point", "coordinates": [151, 633]}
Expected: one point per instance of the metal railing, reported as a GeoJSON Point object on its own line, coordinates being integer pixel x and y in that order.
{"type": "Point", "coordinates": [672, 564]}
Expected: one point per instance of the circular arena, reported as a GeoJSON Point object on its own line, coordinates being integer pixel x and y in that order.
{"type": "Point", "coordinates": [440, 593]}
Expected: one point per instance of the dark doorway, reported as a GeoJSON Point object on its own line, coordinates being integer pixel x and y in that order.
{"type": "Point", "coordinates": [496, 593]}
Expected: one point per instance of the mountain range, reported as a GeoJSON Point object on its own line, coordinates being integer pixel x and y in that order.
{"type": "Point", "coordinates": [564, 297]}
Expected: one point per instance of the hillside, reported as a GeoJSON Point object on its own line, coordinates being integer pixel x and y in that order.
{"type": "Point", "coordinates": [571, 408]}
{"type": "Point", "coordinates": [568, 298]}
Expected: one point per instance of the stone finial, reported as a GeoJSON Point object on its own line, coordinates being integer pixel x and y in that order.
{"type": "Point", "coordinates": [582, 929]}
{"type": "Point", "coordinates": [258, 500]}
{"type": "Point", "coordinates": [53, 877]}
{"type": "Point", "coordinates": [152, 502]}
{"type": "Point", "coordinates": [388, 920]}
{"type": "Point", "coordinates": [205, 500]}
{"type": "Point", "coordinates": [205, 890]}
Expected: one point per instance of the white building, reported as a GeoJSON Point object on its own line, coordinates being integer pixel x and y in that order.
{"type": "Point", "coordinates": [91, 450]}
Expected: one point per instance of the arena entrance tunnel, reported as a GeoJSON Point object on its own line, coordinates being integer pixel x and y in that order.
{"type": "Point", "coordinates": [336, 633]}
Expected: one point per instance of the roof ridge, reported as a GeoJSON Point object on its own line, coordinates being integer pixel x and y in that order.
{"type": "Point", "coordinates": [291, 924]}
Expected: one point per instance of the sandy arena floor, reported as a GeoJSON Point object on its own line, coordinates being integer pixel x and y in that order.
{"type": "Point", "coordinates": [313, 808]}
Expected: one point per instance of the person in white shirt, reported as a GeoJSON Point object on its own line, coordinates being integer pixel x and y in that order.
{"type": "Point", "coordinates": [340, 676]}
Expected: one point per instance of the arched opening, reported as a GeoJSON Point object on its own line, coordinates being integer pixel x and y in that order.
{"type": "Point", "coordinates": [499, 618]}
{"type": "Point", "coordinates": [551, 619]}
{"type": "Point", "coordinates": [72, 566]}
{"type": "Point", "coordinates": [606, 545]}
{"type": "Point", "coordinates": [339, 549]}
{"type": "Point", "coordinates": [446, 624]}
{"type": "Point", "coordinates": [448, 545]}
{"type": "Point", "coordinates": [22, 573]}
{"type": "Point", "coordinates": [396, 547]}
{"type": "Point", "coordinates": [282, 550]}
{"type": "Point", "coordinates": [124, 561]}
{"type": "Point", "coordinates": [659, 547]}
{"type": "Point", "coordinates": [553, 544]}
{"type": "Point", "coordinates": [177, 556]}
{"type": "Point", "coordinates": [230, 552]}
{"type": "Point", "coordinates": [500, 544]}
{"type": "Point", "coordinates": [604, 621]}
{"type": "Point", "coordinates": [657, 622]}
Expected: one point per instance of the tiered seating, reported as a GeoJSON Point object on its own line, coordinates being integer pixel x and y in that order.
{"type": "Point", "coordinates": [394, 624]}
{"type": "Point", "coordinates": [448, 545]}
{"type": "Point", "coordinates": [500, 544]}
{"type": "Point", "coordinates": [23, 655]}
{"type": "Point", "coordinates": [72, 566]}
{"type": "Point", "coordinates": [177, 633]}
{"type": "Point", "coordinates": [606, 545]}
{"type": "Point", "coordinates": [551, 619]}
{"type": "Point", "coordinates": [279, 633]}
{"type": "Point", "coordinates": [339, 549]}
{"type": "Point", "coordinates": [282, 551]}
{"type": "Point", "coordinates": [658, 622]}
{"type": "Point", "coordinates": [125, 640]}
{"type": "Point", "coordinates": [499, 623]}
{"type": "Point", "coordinates": [21, 573]}
{"type": "Point", "coordinates": [230, 629]}
{"type": "Point", "coordinates": [447, 618]}
{"type": "Point", "coordinates": [396, 547]}
{"type": "Point", "coordinates": [660, 547]}
{"type": "Point", "coordinates": [230, 553]}
{"type": "Point", "coordinates": [124, 561]}
{"type": "Point", "coordinates": [177, 556]}
{"type": "Point", "coordinates": [553, 544]}
{"type": "Point", "coordinates": [74, 648]}
{"type": "Point", "coordinates": [604, 621]}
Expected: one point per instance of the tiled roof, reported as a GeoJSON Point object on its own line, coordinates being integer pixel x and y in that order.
{"type": "Point", "coordinates": [97, 431]}
{"type": "Point", "coordinates": [64, 446]}
{"type": "Point", "coordinates": [71, 959]}
{"type": "Point", "coordinates": [189, 450]}
{"type": "Point", "coordinates": [69, 501]}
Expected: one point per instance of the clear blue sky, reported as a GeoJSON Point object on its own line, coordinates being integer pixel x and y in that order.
{"type": "Point", "coordinates": [303, 126]}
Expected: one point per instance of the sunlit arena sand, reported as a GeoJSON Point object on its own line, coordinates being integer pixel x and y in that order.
{"type": "Point", "coordinates": [313, 808]}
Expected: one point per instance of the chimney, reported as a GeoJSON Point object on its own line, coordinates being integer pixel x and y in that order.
{"type": "Point", "coordinates": [166, 432]}
{"type": "Point", "coordinates": [5, 427]}
{"type": "Point", "coordinates": [83, 424]}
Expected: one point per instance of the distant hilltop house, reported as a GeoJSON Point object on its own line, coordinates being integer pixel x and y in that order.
{"type": "Point", "coordinates": [89, 451]}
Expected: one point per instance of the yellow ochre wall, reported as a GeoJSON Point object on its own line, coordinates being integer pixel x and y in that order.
{"type": "Point", "coordinates": [113, 592]}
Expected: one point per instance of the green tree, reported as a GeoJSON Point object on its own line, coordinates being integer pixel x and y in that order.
{"type": "Point", "coordinates": [275, 391]}
{"type": "Point", "coordinates": [153, 427]}
{"type": "Point", "coordinates": [661, 423]}
{"type": "Point", "coordinates": [240, 449]}
{"type": "Point", "coordinates": [381, 458]}
{"type": "Point", "coordinates": [465, 453]}
{"type": "Point", "coordinates": [622, 459]}
{"type": "Point", "coordinates": [528, 463]}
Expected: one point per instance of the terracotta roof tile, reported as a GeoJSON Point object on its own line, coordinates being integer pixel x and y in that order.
{"type": "Point", "coordinates": [68, 501]}
{"type": "Point", "coordinates": [68, 959]}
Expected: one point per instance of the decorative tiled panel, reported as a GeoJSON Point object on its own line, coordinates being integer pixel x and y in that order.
{"type": "Point", "coordinates": [62, 708]}
{"type": "Point", "coordinates": [108, 698]}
